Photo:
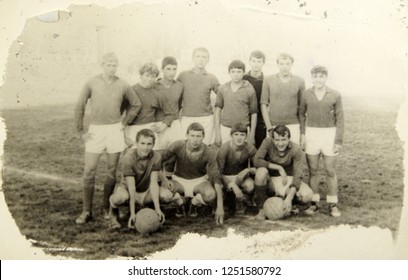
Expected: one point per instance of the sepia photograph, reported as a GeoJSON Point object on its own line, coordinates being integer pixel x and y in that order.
{"type": "Point", "coordinates": [204, 130]}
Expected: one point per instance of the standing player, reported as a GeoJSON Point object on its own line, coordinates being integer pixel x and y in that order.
{"type": "Point", "coordinates": [235, 103]}
{"type": "Point", "coordinates": [198, 84]}
{"type": "Point", "coordinates": [234, 162]}
{"type": "Point", "coordinates": [196, 171]}
{"type": "Point", "coordinates": [169, 93]}
{"type": "Point", "coordinates": [106, 92]}
{"type": "Point", "coordinates": [140, 171]}
{"type": "Point", "coordinates": [322, 127]}
{"type": "Point", "coordinates": [146, 92]}
{"type": "Point", "coordinates": [256, 77]}
{"type": "Point", "coordinates": [282, 92]}
{"type": "Point", "coordinates": [280, 165]}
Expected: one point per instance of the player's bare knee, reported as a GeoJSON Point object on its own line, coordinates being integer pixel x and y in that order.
{"type": "Point", "coordinates": [89, 173]}
{"type": "Point", "coordinates": [330, 172]}
{"type": "Point", "coordinates": [209, 195]}
{"type": "Point", "coordinates": [249, 185]}
{"type": "Point", "coordinates": [118, 198]}
{"type": "Point", "coordinates": [261, 176]}
{"type": "Point", "coordinates": [165, 195]}
{"type": "Point", "coordinates": [313, 171]}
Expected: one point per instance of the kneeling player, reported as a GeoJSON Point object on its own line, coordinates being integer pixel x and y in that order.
{"type": "Point", "coordinates": [280, 163]}
{"type": "Point", "coordinates": [196, 171]}
{"type": "Point", "coordinates": [140, 171]}
{"type": "Point", "coordinates": [233, 160]}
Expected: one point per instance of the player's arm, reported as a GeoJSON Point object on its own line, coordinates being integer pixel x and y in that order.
{"type": "Point", "coordinates": [338, 110]}
{"type": "Point", "coordinates": [219, 104]}
{"type": "Point", "coordinates": [251, 136]}
{"type": "Point", "coordinates": [131, 186]}
{"type": "Point", "coordinates": [302, 120]}
{"type": "Point", "coordinates": [214, 176]}
{"type": "Point", "coordinates": [80, 108]}
{"type": "Point", "coordinates": [155, 192]}
{"type": "Point", "coordinates": [264, 105]}
{"type": "Point", "coordinates": [219, 212]}
{"type": "Point", "coordinates": [164, 181]}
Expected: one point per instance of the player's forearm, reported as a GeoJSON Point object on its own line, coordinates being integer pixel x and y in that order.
{"type": "Point", "coordinates": [291, 194]}
{"type": "Point", "coordinates": [277, 167]}
{"type": "Point", "coordinates": [218, 191]}
{"type": "Point", "coordinates": [265, 116]}
{"type": "Point", "coordinates": [155, 192]}
{"type": "Point", "coordinates": [254, 119]}
{"type": "Point", "coordinates": [217, 120]}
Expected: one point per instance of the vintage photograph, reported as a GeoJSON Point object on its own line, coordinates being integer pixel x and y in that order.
{"type": "Point", "coordinates": [207, 130]}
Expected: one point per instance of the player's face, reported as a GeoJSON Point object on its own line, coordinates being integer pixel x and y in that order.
{"type": "Point", "coordinates": [238, 138]}
{"type": "Point", "coordinates": [195, 138]}
{"type": "Point", "coordinates": [319, 80]}
{"type": "Point", "coordinates": [285, 65]}
{"type": "Point", "coordinates": [256, 64]}
{"type": "Point", "coordinates": [169, 71]}
{"type": "Point", "coordinates": [109, 67]}
{"type": "Point", "coordinates": [144, 146]}
{"type": "Point", "coordinates": [236, 74]}
{"type": "Point", "coordinates": [200, 59]}
{"type": "Point", "coordinates": [147, 79]}
{"type": "Point", "coordinates": [281, 142]}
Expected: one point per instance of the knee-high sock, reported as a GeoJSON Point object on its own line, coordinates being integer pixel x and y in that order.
{"type": "Point", "coordinates": [88, 193]}
{"type": "Point", "coordinates": [261, 195]}
{"type": "Point", "coordinates": [108, 188]}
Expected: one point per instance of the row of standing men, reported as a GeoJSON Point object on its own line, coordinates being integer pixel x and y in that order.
{"type": "Point", "coordinates": [167, 107]}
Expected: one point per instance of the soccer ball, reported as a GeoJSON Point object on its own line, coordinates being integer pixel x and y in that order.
{"type": "Point", "coordinates": [147, 221]}
{"type": "Point", "coordinates": [273, 208]}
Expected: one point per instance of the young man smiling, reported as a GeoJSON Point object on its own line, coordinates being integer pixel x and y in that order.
{"type": "Point", "coordinates": [139, 185]}
{"type": "Point", "coordinates": [280, 166]}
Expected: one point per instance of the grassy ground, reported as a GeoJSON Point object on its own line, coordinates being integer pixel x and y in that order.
{"type": "Point", "coordinates": [43, 163]}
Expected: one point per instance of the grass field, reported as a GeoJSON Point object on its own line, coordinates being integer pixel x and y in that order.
{"type": "Point", "coordinates": [43, 161]}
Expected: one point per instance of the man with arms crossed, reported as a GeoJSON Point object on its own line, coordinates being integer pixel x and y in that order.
{"type": "Point", "coordinates": [198, 84]}
{"type": "Point", "coordinates": [281, 93]}
{"type": "Point", "coordinates": [280, 165]}
{"type": "Point", "coordinates": [140, 171]}
{"type": "Point", "coordinates": [197, 174]}
{"type": "Point", "coordinates": [106, 92]}
{"type": "Point", "coordinates": [235, 103]}
{"type": "Point", "coordinates": [233, 160]}
{"type": "Point", "coordinates": [256, 77]}
{"type": "Point", "coordinates": [322, 127]}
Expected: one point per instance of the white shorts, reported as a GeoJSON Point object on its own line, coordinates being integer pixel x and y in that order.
{"type": "Point", "coordinates": [207, 122]}
{"type": "Point", "coordinates": [294, 132]}
{"type": "Point", "coordinates": [170, 134]}
{"type": "Point", "coordinates": [189, 184]}
{"type": "Point", "coordinates": [320, 140]}
{"type": "Point", "coordinates": [132, 130]}
{"type": "Point", "coordinates": [107, 137]}
{"type": "Point", "coordinates": [281, 189]}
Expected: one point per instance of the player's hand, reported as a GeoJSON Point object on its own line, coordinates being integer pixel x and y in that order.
{"type": "Point", "coordinates": [161, 216]}
{"type": "Point", "coordinates": [238, 193]}
{"type": "Point", "coordinates": [251, 141]}
{"type": "Point", "coordinates": [287, 207]}
{"type": "Point", "coordinates": [87, 136]}
{"type": "Point", "coordinates": [282, 173]}
{"type": "Point", "coordinates": [219, 216]}
{"type": "Point", "coordinates": [159, 127]}
{"type": "Point", "coordinates": [168, 184]}
{"type": "Point", "coordinates": [252, 170]}
{"type": "Point", "coordinates": [303, 142]}
{"type": "Point", "coordinates": [129, 142]}
{"type": "Point", "coordinates": [336, 149]}
{"type": "Point", "coordinates": [132, 221]}
{"type": "Point", "coordinates": [217, 140]}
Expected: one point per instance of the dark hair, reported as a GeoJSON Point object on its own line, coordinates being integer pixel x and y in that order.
{"type": "Point", "coordinates": [168, 60]}
{"type": "Point", "coordinates": [236, 64]}
{"type": "Point", "coordinates": [281, 130]}
{"type": "Point", "coordinates": [258, 54]}
{"type": "Point", "coordinates": [319, 69]}
{"type": "Point", "coordinates": [196, 127]}
{"type": "Point", "coordinates": [239, 127]}
{"type": "Point", "coordinates": [146, 133]}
